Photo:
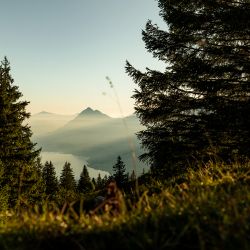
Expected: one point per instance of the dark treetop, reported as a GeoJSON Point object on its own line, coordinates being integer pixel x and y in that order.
{"type": "Point", "coordinates": [198, 109]}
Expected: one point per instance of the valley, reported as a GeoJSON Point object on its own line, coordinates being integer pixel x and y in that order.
{"type": "Point", "coordinates": [91, 136]}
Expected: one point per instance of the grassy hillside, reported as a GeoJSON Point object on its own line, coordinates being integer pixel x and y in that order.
{"type": "Point", "coordinates": [207, 208]}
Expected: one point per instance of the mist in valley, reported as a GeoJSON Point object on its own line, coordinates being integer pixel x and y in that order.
{"type": "Point", "coordinates": [91, 138]}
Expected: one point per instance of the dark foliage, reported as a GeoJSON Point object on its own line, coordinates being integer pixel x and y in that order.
{"type": "Point", "coordinates": [84, 183]}
{"type": "Point", "coordinates": [198, 109]}
{"type": "Point", "coordinates": [67, 179]}
{"type": "Point", "coordinates": [50, 179]}
{"type": "Point", "coordinates": [101, 183]}
{"type": "Point", "coordinates": [120, 175]}
{"type": "Point", "coordinates": [17, 153]}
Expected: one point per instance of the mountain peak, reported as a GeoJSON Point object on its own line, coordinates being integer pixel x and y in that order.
{"type": "Point", "coordinates": [90, 112]}
{"type": "Point", "coordinates": [44, 113]}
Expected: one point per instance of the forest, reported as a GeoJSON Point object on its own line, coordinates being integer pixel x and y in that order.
{"type": "Point", "coordinates": [195, 114]}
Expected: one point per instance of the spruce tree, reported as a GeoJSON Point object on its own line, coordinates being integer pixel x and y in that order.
{"type": "Point", "coordinates": [99, 183]}
{"type": "Point", "coordinates": [105, 180]}
{"type": "Point", "coordinates": [198, 108]}
{"type": "Point", "coordinates": [120, 175]}
{"type": "Point", "coordinates": [50, 179]}
{"type": "Point", "coordinates": [84, 183]}
{"type": "Point", "coordinates": [67, 179]}
{"type": "Point", "coordinates": [133, 176]}
{"type": "Point", "coordinates": [17, 152]}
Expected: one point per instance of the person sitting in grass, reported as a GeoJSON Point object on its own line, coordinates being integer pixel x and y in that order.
{"type": "Point", "coordinates": [113, 203]}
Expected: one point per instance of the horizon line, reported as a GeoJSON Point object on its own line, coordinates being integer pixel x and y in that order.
{"type": "Point", "coordinates": [75, 114]}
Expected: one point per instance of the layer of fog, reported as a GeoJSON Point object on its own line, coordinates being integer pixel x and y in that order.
{"type": "Point", "coordinates": [91, 134]}
{"type": "Point", "coordinates": [43, 123]}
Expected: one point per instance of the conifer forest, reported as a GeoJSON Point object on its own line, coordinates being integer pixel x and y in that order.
{"type": "Point", "coordinates": [195, 136]}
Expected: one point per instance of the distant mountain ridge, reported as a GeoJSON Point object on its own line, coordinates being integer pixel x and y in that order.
{"type": "Point", "coordinates": [88, 117]}
{"type": "Point", "coordinates": [96, 136]}
{"type": "Point", "coordinates": [45, 122]}
{"type": "Point", "coordinates": [90, 112]}
{"type": "Point", "coordinates": [43, 113]}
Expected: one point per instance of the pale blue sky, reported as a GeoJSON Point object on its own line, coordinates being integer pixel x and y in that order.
{"type": "Point", "coordinates": [62, 50]}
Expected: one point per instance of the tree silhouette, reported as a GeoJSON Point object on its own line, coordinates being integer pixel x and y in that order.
{"type": "Point", "coordinates": [67, 179]}
{"type": "Point", "coordinates": [133, 176]}
{"type": "Point", "coordinates": [17, 152]}
{"type": "Point", "coordinates": [198, 108]}
{"type": "Point", "coordinates": [120, 175]}
{"type": "Point", "coordinates": [84, 183]}
{"type": "Point", "coordinates": [50, 179]}
{"type": "Point", "coordinates": [99, 182]}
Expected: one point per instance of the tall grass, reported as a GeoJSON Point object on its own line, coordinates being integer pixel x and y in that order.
{"type": "Point", "coordinates": [204, 209]}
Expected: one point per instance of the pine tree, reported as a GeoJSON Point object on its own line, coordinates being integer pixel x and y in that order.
{"type": "Point", "coordinates": [133, 176]}
{"type": "Point", "coordinates": [50, 179]}
{"type": "Point", "coordinates": [105, 180]}
{"type": "Point", "coordinates": [17, 152]}
{"type": "Point", "coordinates": [67, 179]}
{"type": "Point", "coordinates": [198, 109]}
{"type": "Point", "coordinates": [120, 175]}
{"type": "Point", "coordinates": [99, 183]}
{"type": "Point", "coordinates": [84, 183]}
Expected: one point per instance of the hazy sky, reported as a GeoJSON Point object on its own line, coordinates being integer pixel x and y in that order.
{"type": "Point", "coordinates": [61, 51]}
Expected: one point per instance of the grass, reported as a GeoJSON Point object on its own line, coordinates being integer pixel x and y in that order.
{"type": "Point", "coordinates": [208, 209]}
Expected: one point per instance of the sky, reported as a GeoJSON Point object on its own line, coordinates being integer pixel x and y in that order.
{"type": "Point", "coordinates": [61, 51]}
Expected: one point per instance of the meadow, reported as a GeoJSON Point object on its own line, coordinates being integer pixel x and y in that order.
{"type": "Point", "coordinates": [206, 208]}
